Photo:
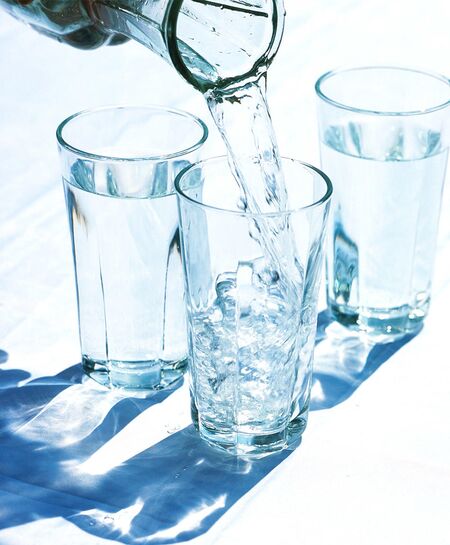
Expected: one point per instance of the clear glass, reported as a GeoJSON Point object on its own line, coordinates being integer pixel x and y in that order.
{"type": "Point", "coordinates": [250, 341]}
{"type": "Point", "coordinates": [119, 165]}
{"type": "Point", "coordinates": [211, 43]}
{"type": "Point", "coordinates": [384, 134]}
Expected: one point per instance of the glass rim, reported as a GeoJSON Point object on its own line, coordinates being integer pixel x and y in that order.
{"type": "Point", "coordinates": [316, 204]}
{"type": "Point", "coordinates": [341, 105]}
{"type": "Point", "coordinates": [116, 158]}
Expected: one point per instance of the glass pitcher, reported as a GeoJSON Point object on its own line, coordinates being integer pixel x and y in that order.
{"type": "Point", "coordinates": [211, 43]}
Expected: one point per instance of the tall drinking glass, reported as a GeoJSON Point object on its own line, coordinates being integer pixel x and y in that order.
{"type": "Point", "coordinates": [251, 327]}
{"type": "Point", "coordinates": [118, 167]}
{"type": "Point", "coordinates": [384, 134]}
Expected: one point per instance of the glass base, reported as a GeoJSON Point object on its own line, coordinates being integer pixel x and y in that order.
{"type": "Point", "coordinates": [381, 325]}
{"type": "Point", "coordinates": [134, 376]}
{"type": "Point", "coordinates": [252, 445]}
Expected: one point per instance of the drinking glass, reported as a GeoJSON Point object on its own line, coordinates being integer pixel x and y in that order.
{"type": "Point", "coordinates": [251, 289]}
{"type": "Point", "coordinates": [118, 169]}
{"type": "Point", "coordinates": [384, 137]}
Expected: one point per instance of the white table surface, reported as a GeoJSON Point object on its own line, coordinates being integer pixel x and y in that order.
{"type": "Point", "coordinates": [83, 466]}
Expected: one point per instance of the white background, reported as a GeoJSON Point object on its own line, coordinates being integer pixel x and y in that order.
{"type": "Point", "coordinates": [374, 469]}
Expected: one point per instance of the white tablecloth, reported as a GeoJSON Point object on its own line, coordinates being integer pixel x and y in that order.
{"type": "Point", "coordinates": [83, 466]}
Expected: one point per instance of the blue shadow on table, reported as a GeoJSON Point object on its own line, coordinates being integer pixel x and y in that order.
{"type": "Point", "coordinates": [70, 448]}
{"type": "Point", "coordinates": [343, 361]}
{"type": "Point", "coordinates": [10, 377]}
{"type": "Point", "coordinates": [171, 490]}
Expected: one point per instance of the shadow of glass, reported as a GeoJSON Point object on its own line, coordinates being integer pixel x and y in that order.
{"type": "Point", "coordinates": [344, 360]}
{"type": "Point", "coordinates": [21, 403]}
{"type": "Point", "coordinates": [90, 455]}
{"type": "Point", "coordinates": [71, 448]}
{"type": "Point", "coordinates": [174, 491]}
{"type": "Point", "coordinates": [67, 408]}
{"type": "Point", "coordinates": [10, 377]}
